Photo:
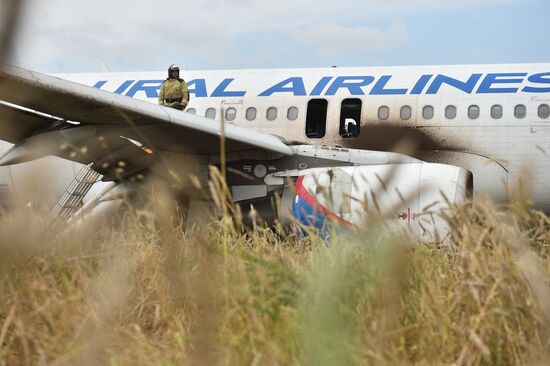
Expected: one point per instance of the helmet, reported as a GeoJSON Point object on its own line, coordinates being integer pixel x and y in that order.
{"type": "Point", "coordinates": [173, 68]}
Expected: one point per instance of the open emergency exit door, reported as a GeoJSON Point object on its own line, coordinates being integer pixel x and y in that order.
{"type": "Point", "coordinates": [350, 118]}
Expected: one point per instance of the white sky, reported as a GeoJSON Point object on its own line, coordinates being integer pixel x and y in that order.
{"type": "Point", "coordinates": [74, 36]}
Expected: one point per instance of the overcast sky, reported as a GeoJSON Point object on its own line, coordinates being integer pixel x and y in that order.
{"type": "Point", "coordinates": [145, 35]}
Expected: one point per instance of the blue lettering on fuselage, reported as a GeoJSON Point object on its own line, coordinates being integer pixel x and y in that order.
{"type": "Point", "coordinates": [321, 85]}
{"type": "Point", "coordinates": [294, 85]}
{"type": "Point", "coordinates": [543, 78]}
{"type": "Point", "coordinates": [491, 83]}
{"type": "Point", "coordinates": [150, 87]}
{"type": "Point", "coordinates": [421, 84]}
{"type": "Point", "coordinates": [380, 87]}
{"type": "Point", "coordinates": [197, 87]}
{"type": "Point", "coordinates": [221, 91]}
{"type": "Point", "coordinates": [122, 88]}
{"type": "Point", "coordinates": [466, 86]}
{"type": "Point", "coordinates": [100, 84]}
{"type": "Point", "coordinates": [487, 87]}
{"type": "Point", "coordinates": [354, 84]}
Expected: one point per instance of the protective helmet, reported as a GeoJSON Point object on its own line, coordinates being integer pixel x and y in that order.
{"type": "Point", "coordinates": [173, 68]}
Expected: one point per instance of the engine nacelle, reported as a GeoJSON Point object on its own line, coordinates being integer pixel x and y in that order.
{"type": "Point", "coordinates": [410, 196]}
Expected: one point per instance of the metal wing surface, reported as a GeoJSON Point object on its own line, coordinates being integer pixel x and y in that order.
{"type": "Point", "coordinates": [41, 107]}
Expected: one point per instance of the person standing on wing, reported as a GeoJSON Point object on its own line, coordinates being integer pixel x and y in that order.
{"type": "Point", "coordinates": [173, 92]}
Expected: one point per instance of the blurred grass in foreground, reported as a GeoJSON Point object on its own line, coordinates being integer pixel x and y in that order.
{"type": "Point", "coordinates": [144, 293]}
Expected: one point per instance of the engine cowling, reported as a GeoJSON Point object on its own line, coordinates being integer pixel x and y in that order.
{"type": "Point", "coordinates": [409, 196]}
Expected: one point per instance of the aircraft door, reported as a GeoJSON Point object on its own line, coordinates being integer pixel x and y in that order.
{"type": "Point", "coordinates": [350, 118]}
{"type": "Point", "coordinates": [316, 118]}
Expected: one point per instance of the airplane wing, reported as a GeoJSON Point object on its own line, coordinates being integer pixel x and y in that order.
{"type": "Point", "coordinates": [45, 115]}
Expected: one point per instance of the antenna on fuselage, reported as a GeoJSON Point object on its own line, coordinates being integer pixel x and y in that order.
{"type": "Point", "coordinates": [104, 66]}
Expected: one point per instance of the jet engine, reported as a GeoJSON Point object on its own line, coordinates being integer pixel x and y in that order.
{"type": "Point", "coordinates": [411, 196]}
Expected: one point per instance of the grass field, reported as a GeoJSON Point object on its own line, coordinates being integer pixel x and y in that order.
{"type": "Point", "coordinates": [143, 293]}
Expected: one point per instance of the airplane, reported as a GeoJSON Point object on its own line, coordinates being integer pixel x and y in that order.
{"type": "Point", "coordinates": [409, 141]}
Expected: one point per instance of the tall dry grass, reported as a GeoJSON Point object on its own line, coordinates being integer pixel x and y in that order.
{"type": "Point", "coordinates": [145, 293]}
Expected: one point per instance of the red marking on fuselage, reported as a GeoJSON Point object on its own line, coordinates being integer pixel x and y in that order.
{"type": "Point", "coordinates": [406, 216]}
{"type": "Point", "coordinates": [304, 194]}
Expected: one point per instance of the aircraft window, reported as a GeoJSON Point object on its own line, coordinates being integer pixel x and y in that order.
{"type": "Point", "coordinates": [251, 114]}
{"type": "Point", "coordinates": [428, 112]}
{"type": "Point", "coordinates": [350, 117]}
{"type": "Point", "coordinates": [473, 112]}
{"type": "Point", "coordinates": [406, 112]}
{"type": "Point", "coordinates": [271, 113]}
{"type": "Point", "coordinates": [383, 113]}
{"type": "Point", "coordinates": [520, 111]}
{"type": "Point", "coordinates": [192, 111]}
{"type": "Point", "coordinates": [450, 112]}
{"type": "Point", "coordinates": [210, 113]}
{"type": "Point", "coordinates": [496, 111]}
{"type": "Point", "coordinates": [544, 111]}
{"type": "Point", "coordinates": [230, 114]}
{"type": "Point", "coordinates": [292, 113]}
{"type": "Point", "coordinates": [316, 118]}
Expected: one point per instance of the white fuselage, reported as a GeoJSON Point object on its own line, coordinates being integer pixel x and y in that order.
{"type": "Point", "coordinates": [491, 119]}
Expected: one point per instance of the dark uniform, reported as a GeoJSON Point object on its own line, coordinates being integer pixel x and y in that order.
{"type": "Point", "coordinates": [173, 92]}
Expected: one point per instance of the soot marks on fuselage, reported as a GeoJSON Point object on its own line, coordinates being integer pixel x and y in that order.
{"type": "Point", "coordinates": [394, 138]}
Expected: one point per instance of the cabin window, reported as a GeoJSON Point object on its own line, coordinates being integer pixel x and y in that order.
{"type": "Point", "coordinates": [450, 112]}
{"type": "Point", "coordinates": [544, 111]}
{"type": "Point", "coordinates": [406, 112]}
{"type": "Point", "coordinates": [271, 113]}
{"type": "Point", "coordinates": [473, 112]}
{"type": "Point", "coordinates": [210, 113]}
{"type": "Point", "coordinates": [192, 111]}
{"type": "Point", "coordinates": [383, 113]}
{"type": "Point", "coordinates": [496, 111]}
{"type": "Point", "coordinates": [428, 112]}
{"type": "Point", "coordinates": [316, 118]}
{"type": "Point", "coordinates": [520, 111]}
{"type": "Point", "coordinates": [230, 114]}
{"type": "Point", "coordinates": [292, 113]}
{"type": "Point", "coordinates": [251, 114]}
{"type": "Point", "coordinates": [350, 117]}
